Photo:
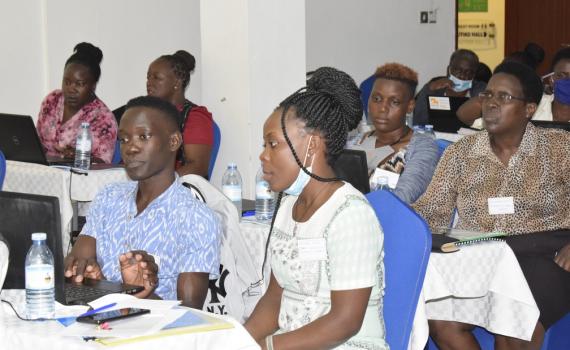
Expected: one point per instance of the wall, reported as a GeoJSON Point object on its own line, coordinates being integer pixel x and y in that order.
{"type": "Point", "coordinates": [491, 56]}
{"type": "Point", "coordinates": [38, 36]}
{"type": "Point", "coordinates": [357, 36]}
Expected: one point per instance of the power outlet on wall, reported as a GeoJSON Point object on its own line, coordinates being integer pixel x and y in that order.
{"type": "Point", "coordinates": [424, 17]}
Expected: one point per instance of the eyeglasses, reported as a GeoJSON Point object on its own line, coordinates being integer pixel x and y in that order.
{"type": "Point", "coordinates": [501, 97]}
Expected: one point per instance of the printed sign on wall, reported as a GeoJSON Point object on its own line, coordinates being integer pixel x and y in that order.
{"type": "Point", "coordinates": [477, 34]}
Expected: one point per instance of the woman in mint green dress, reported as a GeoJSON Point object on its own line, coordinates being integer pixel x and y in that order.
{"type": "Point", "coordinates": [326, 245]}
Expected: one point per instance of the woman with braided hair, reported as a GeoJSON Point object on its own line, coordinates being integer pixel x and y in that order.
{"type": "Point", "coordinates": [325, 243]}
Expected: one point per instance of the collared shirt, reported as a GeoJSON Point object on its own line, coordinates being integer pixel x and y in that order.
{"type": "Point", "coordinates": [53, 132]}
{"type": "Point", "coordinates": [537, 176]}
{"type": "Point", "coordinates": [180, 232]}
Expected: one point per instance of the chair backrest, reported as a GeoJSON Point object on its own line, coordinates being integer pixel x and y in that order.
{"type": "Point", "coordinates": [442, 145]}
{"type": "Point", "coordinates": [2, 169]}
{"type": "Point", "coordinates": [365, 89]}
{"type": "Point", "coordinates": [407, 246]}
{"type": "Point", "coordinates": [215, 149]}
{"type": "Point", "coordinates": [117, 155]}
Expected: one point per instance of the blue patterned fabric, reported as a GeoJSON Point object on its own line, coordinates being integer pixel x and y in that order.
{"type": "Point", "coordinates": [179, 231]}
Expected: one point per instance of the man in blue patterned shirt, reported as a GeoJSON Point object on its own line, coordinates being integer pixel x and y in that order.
{"type": "Point", "coordinates": [156, 217]}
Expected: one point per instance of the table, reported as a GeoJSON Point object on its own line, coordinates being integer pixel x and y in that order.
{"type": "Point", "coordinates": [481, 284]}
{"type": "Point", "coordinates": [59, 182]}
{"type": "Point", "coordinates": [17, 334]}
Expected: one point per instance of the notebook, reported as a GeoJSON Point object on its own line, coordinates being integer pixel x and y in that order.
{"type": "Point", "coordinates": [16, 227]}
{"type": "Point", "coordinates": [19, 141]}
{"type": "Point", "coordinates": [351, 166]}
{"type": "Point", "coordinates": [551, 124]}
{"type": "Point", "coordinates": [442, 113]}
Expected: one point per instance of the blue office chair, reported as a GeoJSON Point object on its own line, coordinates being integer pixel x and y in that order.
{"type": "Point", "coordinates": [365, 89]}
{"type": "Point", "coordinates": [2, 169]}
{"type": "Point", "coordinates": [407, 246]}
{"type": "Point", "coordinates": [442, 145]}
{"type": "Point", "coordinates": [215, 149]}
{"type": "Point", "coordinates": [117, 155]}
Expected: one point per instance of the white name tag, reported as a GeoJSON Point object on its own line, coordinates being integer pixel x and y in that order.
{"type": "Point", "coordinates": [441, 103]}
{"type": "Point", "coordinates": [501, 205]}
{"type": "Point", "coordinates": [312, 249]}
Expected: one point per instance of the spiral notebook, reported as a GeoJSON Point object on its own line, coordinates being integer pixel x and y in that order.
{"type": "Point", "coordinates": [448, 240]}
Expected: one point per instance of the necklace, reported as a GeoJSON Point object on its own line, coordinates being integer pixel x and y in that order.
{"type": "Point", "coordinates": [398, 140]}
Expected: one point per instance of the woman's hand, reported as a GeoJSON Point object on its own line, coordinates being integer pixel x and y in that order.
{"type": "Point", "coordinates": [562, 258]}
{"type": "Point", "coordinates": [138, 268]}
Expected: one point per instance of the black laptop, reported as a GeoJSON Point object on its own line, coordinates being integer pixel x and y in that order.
{"type": "Point", "coordinates": [351, 166]}
{"type": "Point", "coordinates": [19, 141]}
{"type": "Point", "coordinates": [551, 124]}
{"type": "Point", "coordinates": [21, 214]}
{"type": "Point", "coordinates": [442, 113]}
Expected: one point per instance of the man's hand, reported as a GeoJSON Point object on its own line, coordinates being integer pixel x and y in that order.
{"type": "Point", "coordinates": [562, 258]}
{"type": "Point", "coordinates": [138, 268]}
{"type": "Point", "coordinates": [66, 151]}
{"type": "Point", "coordinates": [80, 268]}
{"type": "Point", "coordinates": [443, 83]}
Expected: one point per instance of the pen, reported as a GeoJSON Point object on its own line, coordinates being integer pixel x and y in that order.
{"type": "Point", "coordinates": [99, 309]}
{"type": "Point", "coordinates": [248, 213]}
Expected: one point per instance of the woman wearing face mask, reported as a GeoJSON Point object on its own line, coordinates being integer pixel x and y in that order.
{"type": "Point", "coordinates": [325, 244]}
{"type": "Point", "coordinates": [63, 111]}
{"type": "Point", "coordinates": [458, 82]}
{"type": "Point", "coordinates": [391, 97]}
{"type": "Point", "coordinates": [557, 106]}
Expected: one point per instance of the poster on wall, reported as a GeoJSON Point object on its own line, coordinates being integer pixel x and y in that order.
{"type": "Point", "coordinates": [473, 5]}
{"type": "Point", "coordinates": [477, 34]}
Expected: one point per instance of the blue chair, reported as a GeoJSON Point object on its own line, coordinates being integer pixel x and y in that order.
{"type": "Point", "coordinates": [117, 155]}
{"type": "Point", "coordinates": [407, 246]}
{"type": "Point", "coordinates": [2, 169]}
{"type": "Point", "coordinates": [215, 149]}
{"type": "Point", "coordinates": [365, 89]}
{"type": "Point", "coordinates": [442, 145]}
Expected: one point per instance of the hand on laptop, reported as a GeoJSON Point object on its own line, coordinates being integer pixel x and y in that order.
{"type": "Point", "coordinates": [138, 268]}
{"type": "Point", "coordinates": [80, 268]}
{"type": "Point", "coordinates": [443, 83]}
{"type": "Point", "coordinates": [66, 152]}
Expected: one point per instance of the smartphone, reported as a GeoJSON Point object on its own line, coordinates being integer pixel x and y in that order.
{"type": "Point", "coordinates": [107, 316]}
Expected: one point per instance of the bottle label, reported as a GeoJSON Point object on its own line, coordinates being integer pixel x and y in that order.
{"type": "Point", "coordinates": [39, 277]}
{"type": "Point", "coordinates": [262, 190]}
{"type": "Point", "coordinates": [232, 192]}
{"type": "Point", "coordinates": [83, 145]}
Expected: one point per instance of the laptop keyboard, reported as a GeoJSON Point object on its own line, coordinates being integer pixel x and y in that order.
{"type": "Point", "coordinates": [83, 292]}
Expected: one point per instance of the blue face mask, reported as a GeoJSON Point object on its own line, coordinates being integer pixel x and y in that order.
{"type": "Point", "coordinates": [460, 85]}
{"type": "Point", "coordinates": [303, 178]}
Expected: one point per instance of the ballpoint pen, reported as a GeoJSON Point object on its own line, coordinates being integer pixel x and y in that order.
{"type": "Point", "coordinates": [99, 309]}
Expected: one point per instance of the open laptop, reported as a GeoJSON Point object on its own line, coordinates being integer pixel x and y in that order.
{"type": "Point", "coordinates": [551, 124]}
{"type": "Point", "coordinates": [351, 166]}
{"type": "Point", "coordinates": [19, 141]}
{"type": "Point", "coordinates": [21, 214]}
{"type": "Point", "coordinates": [442, 113]}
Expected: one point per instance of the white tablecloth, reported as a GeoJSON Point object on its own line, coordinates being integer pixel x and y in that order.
{"type": "Point", "coordinates": [255, 235]}
{"type": "Point", "coordinates": [481, 284]}
{"type": "Point", "coordinates": [60, 183]}
{"type": "Point", "coordinates": [23, 335]}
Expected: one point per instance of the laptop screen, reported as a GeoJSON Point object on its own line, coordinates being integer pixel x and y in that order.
{"type": "Point", "coordinates": [351, 167]}
{"type": "Point", "coordinates": [19, 139]}
{"type": "Point", "coordinates": [551, 124]}
{"type": "Point", "coordinates": [442, 113]}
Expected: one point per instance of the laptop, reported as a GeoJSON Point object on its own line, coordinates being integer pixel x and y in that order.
{"type": "Point", "coordinates": [19, 141]}
{"type": "Point", "coordinates": [551, 124]}
{"type": "Point", "coordinates": [442, 113]}
{"type": "Point", "coordinates": [16, 227]}
{"type": "Point", "coordinates": [351, 166]}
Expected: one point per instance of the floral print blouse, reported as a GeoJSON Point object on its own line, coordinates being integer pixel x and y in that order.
{"type": "Point", "coordinates": [54, 134]}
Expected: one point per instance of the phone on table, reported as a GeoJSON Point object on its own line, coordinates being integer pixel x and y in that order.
{"type": "Point", "coordinates": [107, 316]}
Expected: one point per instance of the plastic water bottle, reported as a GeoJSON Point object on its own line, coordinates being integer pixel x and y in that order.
{"type": "Point", "coordinates": [429, 131]}
{"type": "Point", "coordinates": [40, 298]}
{"type": "Point", "coordinates": [382, 183]}
{"type": "Point", "coordinates": [83, 148]}
{"type": "Point", "coordinates": [232, 184]}
{"type": "Point", "coordinates": [419, 129]}
{"type": "Point", "coordinates": [264, 198]}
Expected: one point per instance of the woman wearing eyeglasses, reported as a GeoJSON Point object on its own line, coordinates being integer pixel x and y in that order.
{"type": "Point", "coordinates": [527, 167]}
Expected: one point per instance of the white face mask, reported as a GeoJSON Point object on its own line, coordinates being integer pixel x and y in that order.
{"type": "Point", "coordinates": [460, 85]}
{"type": "Point", "coordinates": [303, 178]}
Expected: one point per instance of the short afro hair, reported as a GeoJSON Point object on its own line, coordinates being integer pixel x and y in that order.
{"type": "Point", "coordinates": [562, 54]}
{"type": "Point", "coordinates": [399, 72]}
{"type": "Point", "coordinates": [530, 82]}
{"type": "Point", "coordinates": [170, 112]}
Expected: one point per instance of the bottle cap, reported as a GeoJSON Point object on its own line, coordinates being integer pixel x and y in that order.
{"type": "Point", "coordinates": [85, 125]}
{"type": "Point", "coordinates": [232, 165]}
{"type": "Point", "coordinates": [39, 236]}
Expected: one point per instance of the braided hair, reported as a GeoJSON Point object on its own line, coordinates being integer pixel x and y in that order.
{"type": "Point", "coordinates": [182, 64]}
{"type": "Point", "coordinates": [329, 104]}
{"type": "Point", "coordinates": [89, 56]}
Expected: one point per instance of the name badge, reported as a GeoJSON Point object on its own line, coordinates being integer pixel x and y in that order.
{"type": "Point", "coordinates": [501, 205]}
{"type": "Point", "coordinates": [312, 249]}
{"type": "Point", "coordinates": [440, 103]}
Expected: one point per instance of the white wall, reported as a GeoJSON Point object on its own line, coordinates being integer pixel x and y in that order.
{"type": "Point", "coordinates": [357, 36]}
{"type": "Point", "coordinates": [38, 36]}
